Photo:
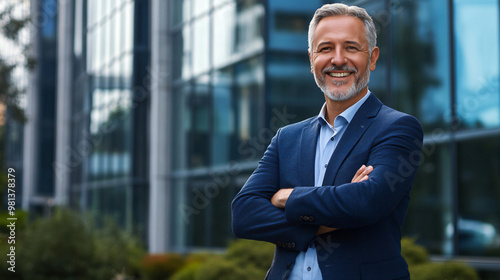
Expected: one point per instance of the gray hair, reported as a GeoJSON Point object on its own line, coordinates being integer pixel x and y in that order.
{"type": "Point", "coordinates": [338, 9]}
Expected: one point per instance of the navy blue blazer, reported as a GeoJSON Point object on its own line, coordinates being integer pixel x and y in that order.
{"type": "Point", "coordinates": [369, 214]}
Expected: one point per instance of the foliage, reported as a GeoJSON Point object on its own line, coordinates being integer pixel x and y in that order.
{"type": "Point", "coordinates": [21, 220]}
{"type": "Point", "coordinates": [258, 253]}
{"type": "Point", "coordinates": [413, 253]}
{"type": "Point", "coordinates": [443, 271]}
{"type": "Point", "coordinates": [421, 269]}
{"type": "Point", "coordinates": [225, 269]}
{"type": "Point", "coordinates": [244, 259]}
{"type": "Point", "coordinates": [193, 263]}
{"type": "Point", "coordinates": [10, 28]}
{"type": "Point", "coordinates": [67, 247]}
{"type": "Point", "coordinates": [162, 266]}
{"type": "Point", "coordinates": [188, 272]}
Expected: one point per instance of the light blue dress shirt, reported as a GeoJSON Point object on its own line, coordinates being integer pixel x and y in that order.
{"type": "Point", "coordinates": [306, 264]}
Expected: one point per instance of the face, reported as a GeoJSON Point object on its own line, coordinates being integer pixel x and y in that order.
{"type": "Point", "coordinates": [340, 57]}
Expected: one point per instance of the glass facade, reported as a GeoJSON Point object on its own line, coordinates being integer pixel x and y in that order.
{"type": "Point", "coordinates": [241, 70]}
{"type": "Point", "coordinates": [109, 176]}
{"type": "Point", "coordinates": [218, 92]}
{"type": "Point", "coordinates": [46, 71]}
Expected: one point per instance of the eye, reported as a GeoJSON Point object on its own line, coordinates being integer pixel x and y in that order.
{"type": "Point", "coordinates": [325, 49]}
{"type": "Point", "coordinates": [352, 48]}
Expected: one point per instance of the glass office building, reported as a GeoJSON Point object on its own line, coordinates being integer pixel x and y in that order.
{"type": "Point", "coordinates": [108, 146]}
{"type": "Point", "coordinates": [241, 70]}
{"type": "Point", "coordinates": [172, 104]}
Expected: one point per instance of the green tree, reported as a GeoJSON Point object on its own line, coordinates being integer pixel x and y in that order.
{"type": "Point", "coordinates": [10, 29]}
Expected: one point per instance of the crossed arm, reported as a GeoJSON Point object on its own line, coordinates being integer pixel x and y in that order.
{"type": "Point", "coordinates": [279, 198]}
{"type": "Point", "coordinates": [394, 155]}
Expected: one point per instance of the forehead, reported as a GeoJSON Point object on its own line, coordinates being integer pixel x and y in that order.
{"type": "Point", "coordinates": [344, 28]}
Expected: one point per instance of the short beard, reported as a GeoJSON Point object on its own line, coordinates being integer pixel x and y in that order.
{"type": "Point", "coordinates": [341, 95]}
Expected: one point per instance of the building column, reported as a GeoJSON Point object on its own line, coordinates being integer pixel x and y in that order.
{"type": "Point", "coordinates": [65, 26]}
{"type": "Point", "coordinates": [30, 156]}
{"type": "Point", "coordinates": [160, 123]}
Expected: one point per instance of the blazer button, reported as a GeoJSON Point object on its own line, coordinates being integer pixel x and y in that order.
{"type": "Point", "coordinates": [292, 245]}
{"type": "Point", "coordinates": [311, 219]}
{"type": "Point", "coordinates": [302, 218]}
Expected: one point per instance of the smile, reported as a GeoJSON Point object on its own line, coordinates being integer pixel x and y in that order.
{"type": "Point", "coordinates": [339, 75]}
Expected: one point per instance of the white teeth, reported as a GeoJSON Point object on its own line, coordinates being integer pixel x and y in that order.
{"type": "Point", "coordinates": [339, 75]}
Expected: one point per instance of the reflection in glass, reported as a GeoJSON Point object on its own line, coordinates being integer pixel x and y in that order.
{"type": "Point", "coordinates": [199, 135]}
{"type": "Point", "coordinates": [477, 61]}
{"type": "Point", "coordinates": [249, 27]}
{"type": "Point", "coordinates": [223, 34]}
{"type": "Point", "coordinates": [479, 194]}
{"type": "Point", "coordinates": [182, 125]}
{"type": "Point", "coordinates": [431, 197]}
{"type": "Point", "coordinates": [201, 46]}
{"type": "Point", "coordinates": [181, 11]}
{"type": "Point", "coordinates": [182, 53]}
{"type": "Point", "coordinates": [288, 23]}
{"type": "Point", "coordinates": [420, 75]}
{"type": "Point", "coordinates": [203, 223]}
{"type": "Point", "coordinates": [128, 26]}
{"type": "Point", "coordinates": [200, 7]}
{"type": "Point", "coordinates": [224, 116]}
{"type": "Point", "coordinates": [249, 80]}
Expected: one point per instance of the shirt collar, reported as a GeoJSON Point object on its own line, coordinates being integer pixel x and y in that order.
{"type": "Point", "coordinates": [348, 113]}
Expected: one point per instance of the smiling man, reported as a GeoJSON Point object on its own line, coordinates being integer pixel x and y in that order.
{"type": "Point", "coordinates": [332, 191]}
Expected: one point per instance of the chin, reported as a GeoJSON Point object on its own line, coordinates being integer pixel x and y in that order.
{"type": "Point", "coordinates": [341, 95]}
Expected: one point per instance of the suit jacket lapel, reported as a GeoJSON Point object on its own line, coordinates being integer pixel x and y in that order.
{"type": "Point", "coordinates": [307, 143]}
{"type": "Point", "coordinates": [356, 128]}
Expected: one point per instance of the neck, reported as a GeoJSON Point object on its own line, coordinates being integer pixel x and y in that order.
{"type": "Point", "coordinates": [335, 108]}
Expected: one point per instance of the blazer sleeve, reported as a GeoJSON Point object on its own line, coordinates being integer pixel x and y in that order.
{"type": "Point", "coordinates": [395, 156]}
{"type": "Point", "coordinates": [255, 217]}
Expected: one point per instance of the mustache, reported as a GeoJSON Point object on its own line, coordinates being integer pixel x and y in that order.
{"type": "Point", "coordinates": [339, 68]}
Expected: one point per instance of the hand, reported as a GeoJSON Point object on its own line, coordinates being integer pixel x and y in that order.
{"type": "Point", "coordinates": [360, 176]}
{"type": "Point", "coordinates": [279, 199]}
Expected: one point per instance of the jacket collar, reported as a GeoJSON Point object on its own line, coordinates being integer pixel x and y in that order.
{"type": "Point", "coordinates": [356, 128]}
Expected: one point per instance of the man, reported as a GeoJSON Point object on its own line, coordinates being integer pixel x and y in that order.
{"type": "Point", "coordinates": [332, 191]}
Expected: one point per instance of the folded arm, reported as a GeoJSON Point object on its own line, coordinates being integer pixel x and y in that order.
{"type": "Point", "coordinates": [394, 156]}
{"type": "Point", "coordinates": [279, 199]}
{"type": "Point", "coordinates": [255, 217]}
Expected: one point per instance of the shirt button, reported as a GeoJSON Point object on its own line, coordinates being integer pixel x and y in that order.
{"type": "Point", "coordinates": [309, 269]}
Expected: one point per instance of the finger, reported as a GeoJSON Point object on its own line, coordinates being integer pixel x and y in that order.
{"type": "Point", "coordinates": [367, 170]}
{"type": "Point", "coordinates": [359, 172]}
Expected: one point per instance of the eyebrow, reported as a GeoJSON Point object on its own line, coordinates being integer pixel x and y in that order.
{"type": "Point", "coordinates": [354, 43]}
{"type": "Point", "coordinates": [346, 42]}
{"type": "Point", "coordinates": [322, 43]}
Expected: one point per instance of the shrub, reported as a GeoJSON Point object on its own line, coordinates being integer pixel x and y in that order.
{"type": "Point", "coordinates": [421, 269]}
{"type": "Point", "coordinates": [443, 271]}
{"type": "Point", "coordinates": [188, 272]}
{"type": "Point", "coordinates": [250, 260]}
{"type": "Point", "coordinates": [244, 260]}
{"type": "Point", "coordinates": [228, 270]}
{"type": "Point", "coordinates": [259, 254]}
{"type": "Point", "coordinates": [64, 247]}
{"type": "Point", "coordinates": [162, 266]}
{"type": "Point", "coordinates": [414, 254]}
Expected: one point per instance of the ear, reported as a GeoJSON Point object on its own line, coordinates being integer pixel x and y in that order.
{"type": "Point", "coordinates": [374, 58]}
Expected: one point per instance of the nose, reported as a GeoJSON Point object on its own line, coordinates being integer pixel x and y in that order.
{"type": "Point", "coordinates": [339, 58]}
